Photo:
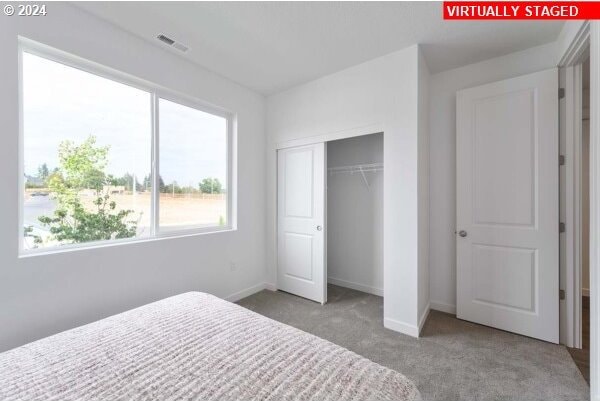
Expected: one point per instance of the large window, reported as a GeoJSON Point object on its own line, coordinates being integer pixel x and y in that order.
{"type": "Point", "coordinates": [111, 159]}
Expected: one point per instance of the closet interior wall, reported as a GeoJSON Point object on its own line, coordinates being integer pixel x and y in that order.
{"type": "Point", "coordinates": [355, 213]}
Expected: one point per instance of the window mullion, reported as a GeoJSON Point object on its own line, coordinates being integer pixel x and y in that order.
{"type": "Point", "coordinates": [155, 165]}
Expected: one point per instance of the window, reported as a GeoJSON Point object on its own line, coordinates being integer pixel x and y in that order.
{"type": "Point", "coordinates": [96, 167]}
{"type": "Point", "coordinates": [193, 168]}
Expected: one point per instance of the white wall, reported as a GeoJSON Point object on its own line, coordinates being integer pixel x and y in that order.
{"type": "Point", "coordinates": [355, 215]}
{"type": "Point", "coordinates": [42, 295]}
{"type": "Point", "coordinates": [383, 93]}
{"type": "Point", "coordinates": [442, 119]}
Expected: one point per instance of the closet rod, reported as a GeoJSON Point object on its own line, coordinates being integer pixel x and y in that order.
{"type": "Point", "coordinates": [357, 168]}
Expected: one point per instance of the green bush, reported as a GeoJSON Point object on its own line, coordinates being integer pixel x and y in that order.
{"type": "Point", "coordinates": [82, 167]}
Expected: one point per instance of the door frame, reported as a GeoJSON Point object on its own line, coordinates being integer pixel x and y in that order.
{"type": "Point", "coordinates": [571, 323]}
{"type": "Point", "coordinates": [594, 205]}
{"type": "Point", "coordinates": [571, 62]}
{"type": "Point", "coordinates": [332, 136]}
{"type": "Point", "coordinates": [590, 31]}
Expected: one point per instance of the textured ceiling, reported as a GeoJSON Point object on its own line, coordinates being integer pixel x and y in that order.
{"type": "Point", "coordinates": [272, 46]}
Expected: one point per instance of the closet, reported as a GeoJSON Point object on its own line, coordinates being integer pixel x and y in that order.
{"type": "Point", "coordinates": [355, 213]}
{"type": "Point", "coordinates": [330, 216]}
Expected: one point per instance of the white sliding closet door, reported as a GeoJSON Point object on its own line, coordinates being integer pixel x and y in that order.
{"type": "Point", "coordinates": [301, 236]}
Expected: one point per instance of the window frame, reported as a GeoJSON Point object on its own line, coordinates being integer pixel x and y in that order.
{"type": "Point", "coordinates": [156, 92]}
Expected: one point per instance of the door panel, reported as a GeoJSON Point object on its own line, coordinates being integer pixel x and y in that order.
{"type": "Point", "coordinates": [504, 190]}
{"type": "Point", "coordinates": [298, 253]}
{"type": "Point", "coordinates": [504, 276]}
{"type": "Point", "coordinates": [298, 183]}
{"type": "Point", "coordinates": [507, 205]}
{"type": "Point", "coordinates": [301, 213]}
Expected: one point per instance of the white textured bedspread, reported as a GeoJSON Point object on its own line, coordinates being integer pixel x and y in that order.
{"type": "Point", "coordinates": [193, 346]}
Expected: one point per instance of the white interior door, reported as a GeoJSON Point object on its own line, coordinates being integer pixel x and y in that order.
{"type": "Point", "coordinates": [301, 221]}
{"type": "Point", "coordinates": [507, 205]}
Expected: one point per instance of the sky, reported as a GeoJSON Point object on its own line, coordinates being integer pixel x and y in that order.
{"type": "Point", "coordinates": [61, 103]}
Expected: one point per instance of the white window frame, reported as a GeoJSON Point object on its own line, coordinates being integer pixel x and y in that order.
{"type": "Point", "coordinates": [156, 92]}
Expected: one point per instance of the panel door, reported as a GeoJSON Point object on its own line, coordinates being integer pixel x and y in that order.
{"type": "Point", "coordinates": [507, 205]}
{"type": "Point", "coordinates": [301, 221]}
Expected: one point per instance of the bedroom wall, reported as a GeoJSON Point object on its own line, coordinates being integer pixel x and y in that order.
{"type": "Point", "coordinates": [442, 120]}
{"type": "Point", "coordinates": [379, 95]}
{"type": "Point", "coordinates": [355, 215]}
{"type": "Point", "coordinates": [42, 295]}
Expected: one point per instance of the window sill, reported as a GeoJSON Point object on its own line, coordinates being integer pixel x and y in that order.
{"type": "Point", "coordinates": [169, 235]}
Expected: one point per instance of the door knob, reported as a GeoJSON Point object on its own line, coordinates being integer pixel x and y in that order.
{"type": "Point", "coordinates": [319, 228]}
{"type": "Point", "coordinates": [462, 233]}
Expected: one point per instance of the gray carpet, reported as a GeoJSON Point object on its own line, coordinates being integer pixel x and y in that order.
{"type": "Point", "coordinates": [454, 360]}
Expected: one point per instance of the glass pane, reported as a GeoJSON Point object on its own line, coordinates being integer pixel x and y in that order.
{"type": "Point", "coordinates": [87, 147]}
{"type": "Point", "coordinates": [193, 168]}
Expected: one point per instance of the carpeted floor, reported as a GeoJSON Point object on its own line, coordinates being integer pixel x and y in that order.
{"type": "Point", "coordinates": [453, 359]}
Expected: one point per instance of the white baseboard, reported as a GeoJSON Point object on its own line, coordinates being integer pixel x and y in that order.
{"type": "Point", "coordinates": [423, 317]}
{"type": "Point", "coordinates": [248, 291]}
{"type": "Point", "coordinates": [443, 307]}
{"type": "Point", "coordinates": [401, 327]}
{"type": "Point", "coordinates": [585, 292]}
{"type": "Point", "coordinates": [270, 287]}
{"type": "Point", "coordinates": [355, 286]}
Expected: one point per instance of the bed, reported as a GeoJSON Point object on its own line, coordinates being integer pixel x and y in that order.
{"type": "Point", "coordinates": [193, 346]}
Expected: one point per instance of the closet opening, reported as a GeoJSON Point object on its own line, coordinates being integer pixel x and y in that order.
{"type": "Point", "coordinates": [354, 213]}
{"type": "Point", "coordinates": [330, 216]}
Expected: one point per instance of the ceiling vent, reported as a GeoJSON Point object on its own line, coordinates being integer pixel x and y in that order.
{"type": "Point", "coordinates": [170, 42]}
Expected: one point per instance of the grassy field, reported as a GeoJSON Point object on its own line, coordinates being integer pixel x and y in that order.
{"type": "Point", "coordinates": [174, 210]}
{"type": "Point", "coordinates": [181, 209]}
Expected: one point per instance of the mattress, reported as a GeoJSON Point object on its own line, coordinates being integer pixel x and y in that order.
{"type": "Point", "coordinates": [193, 346]}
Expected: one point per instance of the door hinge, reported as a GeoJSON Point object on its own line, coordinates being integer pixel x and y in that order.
{"type": "Point", "coordinates": [561, 294]}
{"type": "Point", "coordinates": [562, 227]}
{"type": "Point", "coordinates": [561, 93]}
{"type": "Point", "coordinates": [561, 160]}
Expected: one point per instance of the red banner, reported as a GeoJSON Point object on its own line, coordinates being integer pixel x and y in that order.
{"type": "Point", "coordinates": [521, 10]}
